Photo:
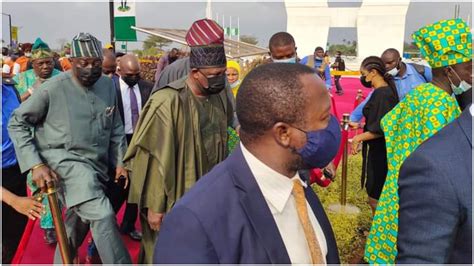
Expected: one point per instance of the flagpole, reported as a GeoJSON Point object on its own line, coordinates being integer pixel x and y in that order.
{"type": "Point", "coordinates": [238, 29]}
{"type": "Point", "coordinates": [111, 18]}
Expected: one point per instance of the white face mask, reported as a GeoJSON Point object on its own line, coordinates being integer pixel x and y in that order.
{"type": "Point", "coordinates": [393, 72]}
{"type": "Point", "coordinates": [462, 87]}
{"type": "Point", "coordinates": [27, 54]}
{"type": "Point", "coordinates": [235, 84]}
{"type": "Point", "coordinates": [288, 60]}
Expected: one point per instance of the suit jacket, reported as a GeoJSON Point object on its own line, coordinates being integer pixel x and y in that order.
{"type": "Point", "coordinates": [144, 86]}
{"type": "Point", "coordinates": [224, 218]}
{"type": "Point", "coordinates": [435, 186]}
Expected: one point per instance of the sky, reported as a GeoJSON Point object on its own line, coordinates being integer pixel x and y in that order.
{"type": "Point", "coordinates": [57, 22]}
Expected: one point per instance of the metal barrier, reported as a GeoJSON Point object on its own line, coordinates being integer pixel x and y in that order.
{"type": "Point", "coordinates": [342, 206]}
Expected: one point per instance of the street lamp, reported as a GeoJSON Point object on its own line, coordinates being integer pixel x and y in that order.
{"type": "Point", "coordinates": [10, 24]}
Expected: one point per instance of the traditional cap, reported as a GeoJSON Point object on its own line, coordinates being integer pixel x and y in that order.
{"type": "Point", "coordinates": [233, 64]}
{"type": "Point", "coordinates": [109, 46]}
{"type": "Point", "coordinates": [40, 50]}
{"type": "Point", "coordinates": [26, 46]}
{"type": "Point", "coordinates": [86, 45]}
{"type": "Point", "coordinates": [444, 43]}
{"type": "Point", "coordinates": [206, 39]}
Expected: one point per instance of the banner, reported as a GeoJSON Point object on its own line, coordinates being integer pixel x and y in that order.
{"type": "Point", "coordinates": [124, 18]}
{"type": "Point", "coordinates": [14, 34]}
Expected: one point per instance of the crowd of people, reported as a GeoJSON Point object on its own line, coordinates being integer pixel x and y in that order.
{"type": "Point", "coordinates": [215, 165]}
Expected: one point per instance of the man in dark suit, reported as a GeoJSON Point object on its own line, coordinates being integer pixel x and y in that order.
{"type": "Point", "coordinates": [132, 94]}
{"type": "Point", "coordinates": [435, 186]}
{"type": "Point", "coordinates": [253, 207]}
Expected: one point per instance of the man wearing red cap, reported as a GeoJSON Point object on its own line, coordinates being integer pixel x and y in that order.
{"type": "Point", "coordinates": [181, 134]}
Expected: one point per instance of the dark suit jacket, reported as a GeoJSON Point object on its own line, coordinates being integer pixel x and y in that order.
{"type": "Point", "coordinates": [144, 86]}
{"type": "Point", "coordinates": [435, 186]}
{"type": "Point", "coordinates": [224, 218]}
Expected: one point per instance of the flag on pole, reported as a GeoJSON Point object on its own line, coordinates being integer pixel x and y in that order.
{"type": "Point", "coordinates": [124, 18]}
{"type": "Point", "coordinates": [228, 31]}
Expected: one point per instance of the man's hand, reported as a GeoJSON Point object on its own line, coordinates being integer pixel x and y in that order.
{"type": "Point", "coordinates": [331, 169]}
{"type": "Point", "coordinates": [28, 207]}
{"type": "Point", "coordinates": [155, 219]}
{"type": "Point", "coordinates": [42, 175]}
{"type": "Point", "coordinates": [121, 173]}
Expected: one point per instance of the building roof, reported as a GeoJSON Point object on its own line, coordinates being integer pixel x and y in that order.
{"type": "Point", "coordinates": [233, 48]}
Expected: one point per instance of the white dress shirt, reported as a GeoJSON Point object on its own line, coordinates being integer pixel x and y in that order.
{"type": "Point", "coordinates": [127, 110]}
{"type": "Point", "coordinates": [277, 191]}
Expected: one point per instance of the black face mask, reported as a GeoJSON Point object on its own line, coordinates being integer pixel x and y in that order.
{"type": "Point", "coordinates": [131, 80]}
{"type": "Point", "coordinates": [365, 83]}
{"type": "Point", "coordinates": [464, 99]}
{"type": "Point", "coordinates": [88, 76]}
{"type": "Point", "coordinates": [215, 84]}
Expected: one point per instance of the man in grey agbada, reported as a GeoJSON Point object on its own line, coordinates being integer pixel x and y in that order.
{"type": "Point", "coordinates": [70, 132]}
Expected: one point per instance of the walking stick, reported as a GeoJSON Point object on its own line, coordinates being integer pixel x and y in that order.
{"type": "Point", "coordinates": [59, 223]}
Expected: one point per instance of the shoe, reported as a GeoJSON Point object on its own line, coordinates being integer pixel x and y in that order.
{"type": "Point", "coordinates": [135, 235]}
{"type": "Point", "coordinates": [340, 93]}
{"type": "Point", "coordinates": [50, 236]}
{"type": "Point", "coordinates": [92, 253]}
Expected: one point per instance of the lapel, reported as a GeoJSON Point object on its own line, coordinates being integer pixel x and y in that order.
{"type": "Point", "coordinates": [333, 254]}
{"type": "Point", "coordinates": [145, 90]}
{"type": "Point", "coordinates": [116, 81]}
{"type": "Point", "coordinates": [465, 122]}
{"type": "Point", "coordinates": [256, 209]}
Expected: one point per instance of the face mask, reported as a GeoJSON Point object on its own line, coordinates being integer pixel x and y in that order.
{"type": "Point", "coordinates": [318, 58]}
{"type": "Point", "coordinates": [88, 76]}
{"type": "Point", "coordinates": [28, 54]}
{"type": "Point", "coordinates": [462, 87]}
{"type": "Point", "coordinates": [215, 84]}
{"type": "Point", "coordinates": [131, 80]}
{"type": "Point", "coordinates": [288, 60]}
{"type": "Point", "coordinates": [365, 83]}
{"type": "Point", "coordinates": [393, 72]}
{"type": "Point", "coordinates": [235, 84]}
{"type": "Point", "coordinates": [321, 145]}
{"type": "Point", "coordinates": [68, 56]}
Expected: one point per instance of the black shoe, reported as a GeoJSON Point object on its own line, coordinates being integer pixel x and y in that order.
{"type": "Point", "coordinates": [50, 236]}
{"type": "Point", "coordinates": [339, 93]}
{"type": "Point", "coordinates": [135, 235]}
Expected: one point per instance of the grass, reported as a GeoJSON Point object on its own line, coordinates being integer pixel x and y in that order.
{"type": "Point", "coordinates": [348, 228]}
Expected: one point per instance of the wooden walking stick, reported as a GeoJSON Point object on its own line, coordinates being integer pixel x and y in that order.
{"type": "Point", "coordinates": [59, 223]}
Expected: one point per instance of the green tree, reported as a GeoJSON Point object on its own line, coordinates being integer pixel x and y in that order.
{"type": "Point", "coordinates": [155, 42]}
{"type": "Point", "coordinates": [249, 39]}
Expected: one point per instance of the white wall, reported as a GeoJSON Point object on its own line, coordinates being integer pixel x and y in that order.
{"type": "Point", "coordinates": [380, 24]}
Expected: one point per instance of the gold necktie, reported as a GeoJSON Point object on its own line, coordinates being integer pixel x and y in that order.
{"type": "Point", "coordinates": [301, 208]}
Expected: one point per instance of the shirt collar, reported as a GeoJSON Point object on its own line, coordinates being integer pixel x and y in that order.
{"type": "Point", "coordinates": [408, 72]}
{"type": "Point", "coordinates": [275, 187]}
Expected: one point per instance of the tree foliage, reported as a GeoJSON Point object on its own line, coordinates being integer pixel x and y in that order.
{"type": "Point", "coordinates": [155, 42]}
{"type": "Point", "coordinates": [249, 39]}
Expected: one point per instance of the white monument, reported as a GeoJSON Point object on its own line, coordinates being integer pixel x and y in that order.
{"type": "Point", "coordinates": [380, 24]}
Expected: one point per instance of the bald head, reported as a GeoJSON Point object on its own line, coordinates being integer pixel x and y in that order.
{"type": "Point", "coordinates": [129, 65]}
{"type": "Point", "coordinates": [129, 69]}
{"type": "Point", "coordinates": [109, 66]}
{"type": "Point", "coordinates": [391, 58]}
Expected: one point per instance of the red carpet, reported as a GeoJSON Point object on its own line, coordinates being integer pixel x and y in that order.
{"type": "Point", "coordinates": [37, 252]}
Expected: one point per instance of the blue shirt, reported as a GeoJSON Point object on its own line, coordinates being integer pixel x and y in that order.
{"type": "Point", "coordinates": [317, 64]}
{"type": "Point", "coordinates": [405, 84]}
{"type": "Point", "coordinates": [9, 104]}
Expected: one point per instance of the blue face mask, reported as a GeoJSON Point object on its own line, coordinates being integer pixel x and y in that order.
{"type": "Point", "coordinates": [288, 60]}
{"type": "Point", "coordinates": [322, 145]}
